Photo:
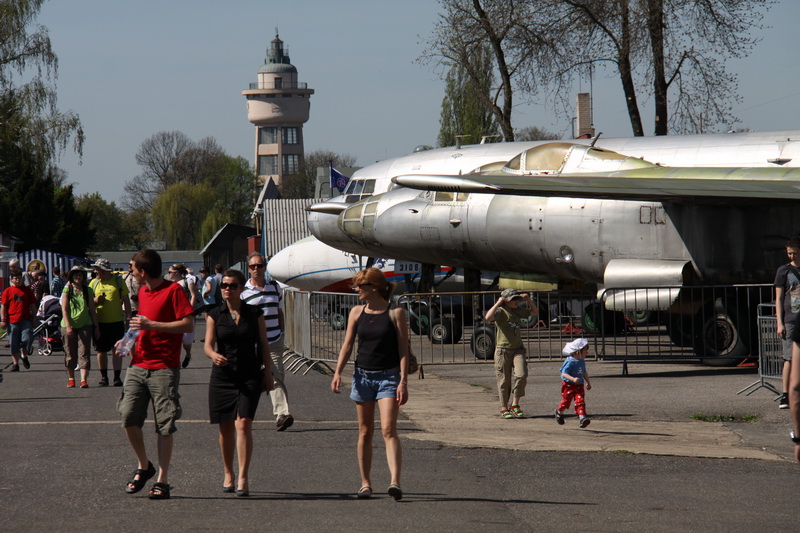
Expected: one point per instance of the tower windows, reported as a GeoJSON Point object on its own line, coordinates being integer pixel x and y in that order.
{"type": "Point", "coordinates": [268, 165]}
{"type": "Point", "coordinates": [290, 136]}
{"type": "Point", "coordinates": [268, 136]}
{"type": "Point", "coordinates": [291, 164]}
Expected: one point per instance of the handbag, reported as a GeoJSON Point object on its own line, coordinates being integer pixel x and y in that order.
{"type": "Point", "coordinates": [413, 364]}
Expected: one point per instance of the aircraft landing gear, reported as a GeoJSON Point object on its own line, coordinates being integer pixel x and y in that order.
{"type": "Point", "coordinates": [721, 333]}
{"type": "Point", "coordinates": [337, 318]}
{"type": "Point", "coordinates": [445, 330]}
{"type": "Point", "coordinates": [483, 342]}
{"type": "Point", "coordinates": [724, 332]}
{"type": "Point", "coordinates": [596, 319]}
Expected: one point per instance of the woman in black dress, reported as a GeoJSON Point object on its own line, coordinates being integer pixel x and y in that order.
{"type": "Point", "coordinates": [236, 342]}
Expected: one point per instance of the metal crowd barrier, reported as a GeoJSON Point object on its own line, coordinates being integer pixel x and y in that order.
{"type": "Point", "coordinates": [716, 324]}
{"type": "Point", "coordinates": [770, 359]}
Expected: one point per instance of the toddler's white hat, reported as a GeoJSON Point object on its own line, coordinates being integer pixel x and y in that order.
{"type": "Point", "coordinates": [575, 346]}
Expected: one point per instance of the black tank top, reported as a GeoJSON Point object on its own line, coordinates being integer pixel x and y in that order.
{"type": "Point", "coordinates": [377, 342]}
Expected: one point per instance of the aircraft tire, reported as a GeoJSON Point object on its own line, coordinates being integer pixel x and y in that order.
{"type": "Point", "coordinates": [640, 318]}
{"type": "Point", "coordinates": [445, 330]}
{"type": "Point", "coordinates": [483, 342]}
{"type": "Point", "coordinates": [421, 315]}
{"type": "Point", "coordinates": [596, 316]}
{"type": "Point", "coordinates": [722, 338]}
{"type": "Point", "coordinates": [338, 318]}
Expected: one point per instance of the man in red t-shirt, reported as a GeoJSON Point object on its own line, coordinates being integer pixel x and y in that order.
{"type": "Point", "coordinates": [18, 306]}
{"type": "Point", "coordinates": [165, 314]}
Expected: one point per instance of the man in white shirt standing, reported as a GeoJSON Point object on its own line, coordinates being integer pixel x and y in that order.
{"type": "Point", "coordinates": [267, 296]}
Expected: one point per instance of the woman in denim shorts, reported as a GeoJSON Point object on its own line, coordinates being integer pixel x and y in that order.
{"type": "Point", "coordinates": [381, 373]}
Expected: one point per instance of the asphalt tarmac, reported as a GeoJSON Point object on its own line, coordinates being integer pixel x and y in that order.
{"type": "Point", "coordinates": [644, 464]}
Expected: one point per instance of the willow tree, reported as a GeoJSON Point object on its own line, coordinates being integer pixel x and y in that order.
{"type": "Point", "coordinates": [178, 211]}
{"type": "Point", "coordinates": [28, 73]}
{"type": "Point", "coordinates": [33, 134]}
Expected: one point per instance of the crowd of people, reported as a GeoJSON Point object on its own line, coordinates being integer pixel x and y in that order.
{"type": "Point", "coordinates": [244, 342]}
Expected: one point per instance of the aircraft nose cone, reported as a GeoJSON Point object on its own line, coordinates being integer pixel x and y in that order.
{"type": "Point", "coordinates": [279, 266]}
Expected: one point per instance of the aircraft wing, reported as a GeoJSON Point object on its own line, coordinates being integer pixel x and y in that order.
{"type": "Point", "coordinates": [657, 183]}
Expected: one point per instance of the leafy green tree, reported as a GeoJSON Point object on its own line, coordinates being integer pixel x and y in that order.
{"type": "Point", "coordinates": [45, 216]}
{"type": "Point", "coordinates": [535, 133]}
{"type": "Point", "coordinates": [136, 228]}
{"type": "Point", "coordinates": [464, 112]}
{"type": "Point", "coordinates": [178, 210]}
{"type": "Point", "coordinates": [186, 190]}
{"type": "Point", "coordinates": [303, 183]}
{"type": "Point", "coordinates": [72, 233]}
{"type": "Point", "coordinates": [107, 221]}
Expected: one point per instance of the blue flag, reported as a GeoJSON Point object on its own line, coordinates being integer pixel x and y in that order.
{"type": "Point", "coordinates": [338, 180]}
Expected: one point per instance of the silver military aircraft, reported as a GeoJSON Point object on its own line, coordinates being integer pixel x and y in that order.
{"type": "Point", "coordinates": [312, 265]}
{"type": "Point", "coordinates": [577, 212]}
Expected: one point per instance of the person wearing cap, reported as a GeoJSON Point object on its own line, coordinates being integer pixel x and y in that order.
{"type": "Point", "coordinates": [510, 357]}
{"type": "Point", "coordinates": [113, 308]}
{"type": "Point", "coordinates": [573, 377]}
{"type": "Point", "coordinates": [79, 321]}
{"type": "Point", "coordinates": [18, 308]}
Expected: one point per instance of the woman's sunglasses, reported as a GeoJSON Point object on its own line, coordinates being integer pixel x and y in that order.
{"type": "Point", "coordinates": [231, 286]}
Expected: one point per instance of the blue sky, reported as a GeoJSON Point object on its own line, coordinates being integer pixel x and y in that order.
{"type": "Point", "coordinates": [132, 69]}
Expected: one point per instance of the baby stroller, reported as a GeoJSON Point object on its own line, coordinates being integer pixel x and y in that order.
{"type": "Point", "coordinates": [49, 319]}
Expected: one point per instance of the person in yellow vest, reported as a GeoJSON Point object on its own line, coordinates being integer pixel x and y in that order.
{"type": "Point", "coordinates": [113, 309]}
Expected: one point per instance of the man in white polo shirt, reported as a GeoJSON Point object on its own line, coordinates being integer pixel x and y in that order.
{"type": "Point", "coordinates": [267, 296]}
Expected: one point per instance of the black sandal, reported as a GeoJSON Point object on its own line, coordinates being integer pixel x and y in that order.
{"type": "Point", "coordinates": [144, 475]}
{"type": "Point", "coordinates": [160, 491]}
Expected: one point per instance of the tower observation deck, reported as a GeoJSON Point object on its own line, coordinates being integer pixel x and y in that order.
{"type": "Point", "coordinates": [278, 106]}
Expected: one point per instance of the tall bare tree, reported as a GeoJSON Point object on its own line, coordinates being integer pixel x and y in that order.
{"type": "Point", "coordinates": [465, 27]}
{"type": "Point", "coordinates": [157, 156]}
{"type": "Point", "coordinates": [674, 51]}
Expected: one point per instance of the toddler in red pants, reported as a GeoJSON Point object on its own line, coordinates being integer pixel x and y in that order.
{"type": "Point", "coordinates": [573, 377]}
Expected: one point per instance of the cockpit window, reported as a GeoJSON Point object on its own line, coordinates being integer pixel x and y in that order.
{"type": "Point", "coordinates": [360, 189]}
{"type": "Point", "coordinates": [442, 196]}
